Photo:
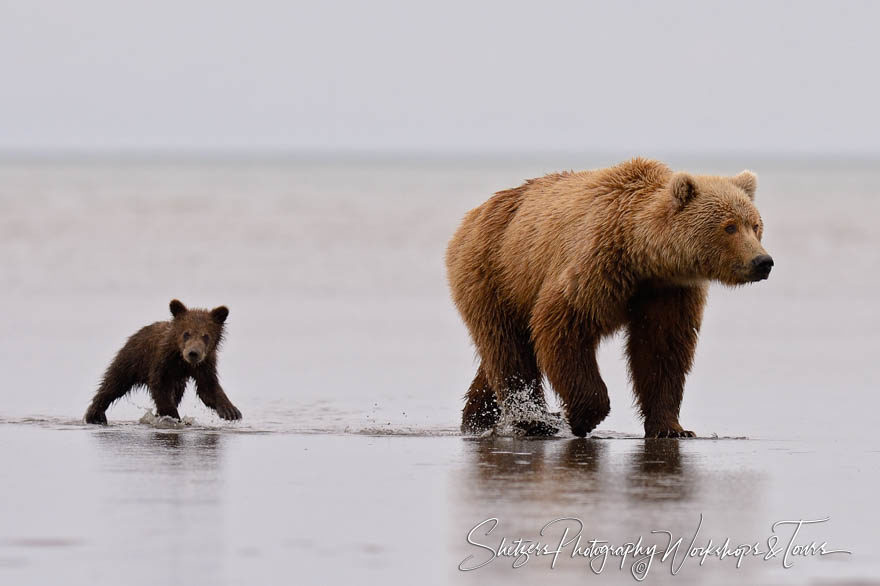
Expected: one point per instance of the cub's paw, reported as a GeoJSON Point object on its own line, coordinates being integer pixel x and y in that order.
{"type": "Point", "coordinates": [95, 417]}
{"type": "Point", "coordinates": [229, 412]}
{"type": "Point", "coordinates": [172, 413]}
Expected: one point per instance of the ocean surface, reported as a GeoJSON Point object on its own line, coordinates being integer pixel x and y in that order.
{"type": "Point", "coordinates": [348, 361]}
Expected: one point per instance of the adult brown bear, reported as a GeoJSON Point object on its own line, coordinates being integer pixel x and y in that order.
{"type": "Point", "coordinates": [542, 272]}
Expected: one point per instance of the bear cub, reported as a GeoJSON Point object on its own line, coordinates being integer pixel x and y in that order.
{"type": "Point", "coordinates": [162, 357]}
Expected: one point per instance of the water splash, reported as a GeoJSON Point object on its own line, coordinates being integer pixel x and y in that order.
{"type": "Point", "coordinates": [521, 415]}
{"type": "Point", "coordinates": [165, 422]}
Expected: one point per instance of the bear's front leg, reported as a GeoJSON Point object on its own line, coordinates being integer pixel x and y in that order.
{"type": "Point", "coordinates": [164, 397]}
{"type": "Point", "coordinates": [95, 415]}
{"type": "Point", "coordinates": [211, 393]}
{"type": "Point", "coordinates": [565, 344]}
{"type": "Point", "coordinates": [662, 336]}
{"type": "Point", "coordinates": [177, 390]}
{"type": "Point", "coordinates": [165, 385]}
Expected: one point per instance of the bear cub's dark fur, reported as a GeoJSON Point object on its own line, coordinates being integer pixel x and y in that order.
{"type": "Point", "coordinates": [163, 357]}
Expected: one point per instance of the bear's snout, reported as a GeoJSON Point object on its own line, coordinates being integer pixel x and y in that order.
{"type": "Point", "coordinates": [761, 266]}
{"type": "Point", "coordinates": [193, 354]}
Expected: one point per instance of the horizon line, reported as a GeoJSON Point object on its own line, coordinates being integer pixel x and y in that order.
{"type": "Point", "coordinates": [166, 154]}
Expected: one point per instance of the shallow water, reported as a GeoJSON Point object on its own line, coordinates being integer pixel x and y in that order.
{"type": "Point", "coordinates": [348, 361]}
{"type": "Point", "coordinates": [96, 505]}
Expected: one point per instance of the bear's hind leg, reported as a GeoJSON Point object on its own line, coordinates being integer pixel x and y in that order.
{"type": "Point", "coordinates": [517, 380]}
{"type": "Point", "coordinates": [481, 408]}
{"type": "Point", "coordinates": [566, 348]}
{"type": "Point", "coordinates": [508, 362]}
{"type": "Point", "coordinates": [113, 386]}
{"type": "Point", "coordinates": [662, 337]}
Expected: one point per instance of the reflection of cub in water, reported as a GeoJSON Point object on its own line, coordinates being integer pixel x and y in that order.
{"type": "Point", "coordinates": [201, 445]}
{"type": "Point", "coordinates": [195, 452]}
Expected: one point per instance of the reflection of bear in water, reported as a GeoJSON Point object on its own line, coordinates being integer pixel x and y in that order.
{"type": "Point", "coordinates": [581, 472]}
{"type": "Point", "coordinates": [542, 272]}
{"type": "Point", "coordinates": [658, 473]}
{"type": "Point", "coordinates": [163, 357]}
{"type": "Point", "coordinates": [518, 465]}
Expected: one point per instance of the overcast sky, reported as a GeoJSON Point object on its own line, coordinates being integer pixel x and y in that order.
{"type": "Point", "coordinates": [448, 76]}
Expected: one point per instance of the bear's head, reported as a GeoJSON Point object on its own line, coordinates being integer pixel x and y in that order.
{"type": "Point", "coordinates": [197, 332]}
{"type": "Point", "coordinates": [716, 228]}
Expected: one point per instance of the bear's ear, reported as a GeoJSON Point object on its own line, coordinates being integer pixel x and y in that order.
{"type": "Point", "coordinates": [747, 181]}
{"type": "Point", "coordinates": [219, 314]}
{"type": "Point", "coordinates": [683, 187]}
{"type": "Point", "coordinates": [177, 308]}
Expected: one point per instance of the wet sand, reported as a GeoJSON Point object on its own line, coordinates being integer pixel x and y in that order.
{"type": "Point", "coordinates": [133, 504]}
{"type": "Point", "coordinates": [348, 361]}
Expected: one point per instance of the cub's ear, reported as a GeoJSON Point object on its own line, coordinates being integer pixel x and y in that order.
{"type": "Point", "coordinates": [683, 187]}
{"type": "Point", "coordinates": [219, 314]}
{"type": "Point", "coordinates": [177, 308]}
{"type": "Point", "coordinates": [747, 181]}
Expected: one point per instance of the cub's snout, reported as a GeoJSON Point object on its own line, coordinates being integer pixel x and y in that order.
{"type": "Point", "coordinates": [194, 353]}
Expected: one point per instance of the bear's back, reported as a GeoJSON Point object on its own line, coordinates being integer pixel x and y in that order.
{"type": "Point", "coordinates": [562, 215]}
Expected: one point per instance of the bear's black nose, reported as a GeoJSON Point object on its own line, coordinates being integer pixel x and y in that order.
{"type": "Point", "coordinates": [761, 266]}
{"type": "Point", "coordinates": [192, 356]}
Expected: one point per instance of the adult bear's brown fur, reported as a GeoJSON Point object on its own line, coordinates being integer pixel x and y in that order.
{"type": "Point", "coordinates": [163, 357]}
{"type": "Point", "coordinates": [542, 272]}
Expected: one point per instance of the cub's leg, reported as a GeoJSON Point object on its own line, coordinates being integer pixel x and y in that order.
{"type": "Point", "coordinates": [177, 392]}
{"type": "Point", "coordinates": [115, 384]}
{"type": "Point", "coordinates": [662, 336]}
{"type": "Point", "coordinates": [566, 346]}
{"type": "Point", "coordinates": [211, 393]}
{"type": "Point", "coordinates": [166, 384]}
{"type": "Point", "coordinates": [164, 397]}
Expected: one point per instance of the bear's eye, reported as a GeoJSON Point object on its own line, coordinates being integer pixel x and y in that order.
{"type": "Point", "coordinates": [730, 228]}
{"type": "Point", "coordinates": [756, 228]}
{"type": "Point", "coordinates": [206, 338]}
{"type": "Point", "coordinates": [186, 335]}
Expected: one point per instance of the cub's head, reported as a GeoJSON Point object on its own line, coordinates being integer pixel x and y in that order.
{"type": "Point", "coordinates": [717, 228]}
{"type": "Point", "coordinates": [197, 332]}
